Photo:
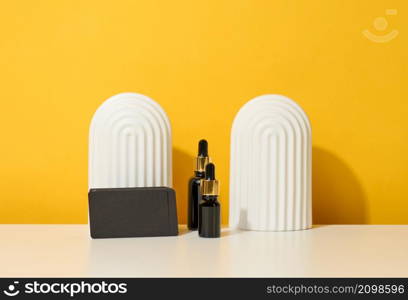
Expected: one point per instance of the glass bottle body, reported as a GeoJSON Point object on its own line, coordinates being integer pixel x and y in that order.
{"type": "Point", "coordinates": [209, 217]}
{"type": "Point", "coordinates": [194, 198]}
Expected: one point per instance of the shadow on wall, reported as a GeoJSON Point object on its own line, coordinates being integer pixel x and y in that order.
{"type": "Point", "coordinates": [183, 168]}
{"type": "Point", "coordinates": [337, 194]}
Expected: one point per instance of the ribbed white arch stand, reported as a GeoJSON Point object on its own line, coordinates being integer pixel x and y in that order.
{"type": "Point", "coordinates": [270, 179]}
{"type": "Point", "coordinates": [130, 144]}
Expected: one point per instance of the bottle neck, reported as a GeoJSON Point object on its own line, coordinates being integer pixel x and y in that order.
{"type": "Point", "coordinates": [212, 198]}
{"type": "Point", "coordinates": [199, 174]}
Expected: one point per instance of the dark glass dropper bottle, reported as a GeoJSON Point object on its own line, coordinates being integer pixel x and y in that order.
{"type": "Point", "coordinates": [194, 190]}
{"type": "Point", "coordinates": [209, 210]}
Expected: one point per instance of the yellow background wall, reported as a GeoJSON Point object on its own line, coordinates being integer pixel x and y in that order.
{"type": "Point", "coordinates": [59, 60]}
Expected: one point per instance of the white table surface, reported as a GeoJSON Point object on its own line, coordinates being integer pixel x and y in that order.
{"type": "Point", "coordinates": [324, 251]}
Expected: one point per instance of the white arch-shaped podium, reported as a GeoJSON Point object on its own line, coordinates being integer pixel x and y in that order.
{"type": "Point", "coordinates": [270, 168]}
{"type": "Point", "coordinates": [130, 144]}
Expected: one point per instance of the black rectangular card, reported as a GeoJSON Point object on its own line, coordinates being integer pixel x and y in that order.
{"type": "Point", "coordinates": [132, 212]}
